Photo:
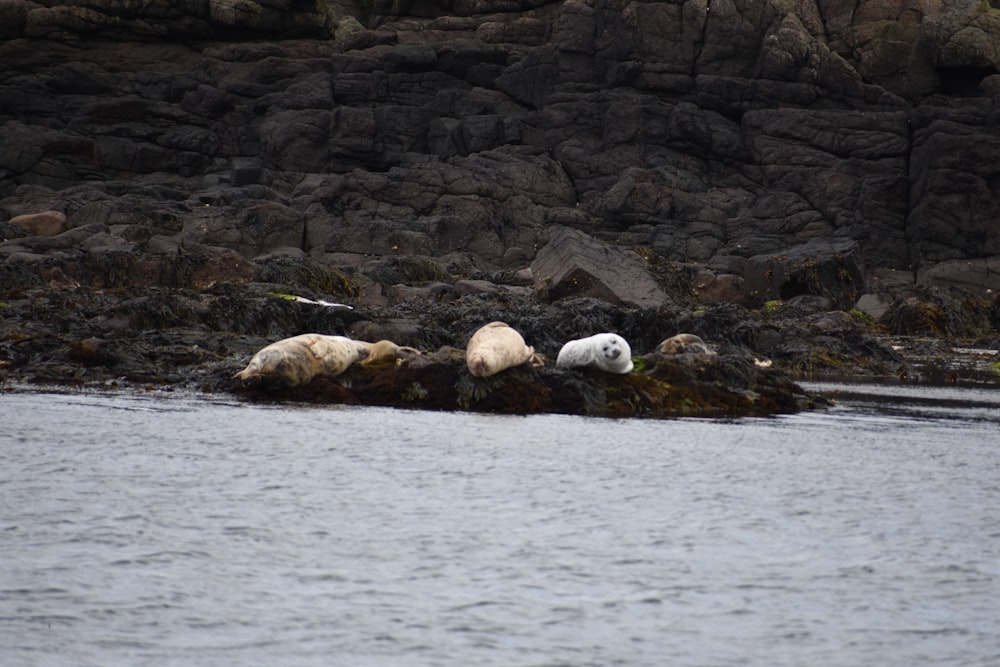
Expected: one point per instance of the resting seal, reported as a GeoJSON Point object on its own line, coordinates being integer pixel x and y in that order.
{"type": "Point", "coordinates": [496, 347]}
{"type": "Point", "coordinates": [384, 350]}
{"type": "Point", "coordinates": [297, 360]}
{"type": "Point", "coordinates": [606, 351]}
{"type": "Point", "coordinates": [682, 343]}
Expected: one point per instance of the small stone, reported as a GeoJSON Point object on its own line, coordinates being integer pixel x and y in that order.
{"type": "Point", "coordinates": [873, 305]}
{"type": "Point", "coordinates": [46, 223]}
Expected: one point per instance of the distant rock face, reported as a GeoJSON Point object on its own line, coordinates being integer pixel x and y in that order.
{"type": "Point", "coordinates": [713, 132]}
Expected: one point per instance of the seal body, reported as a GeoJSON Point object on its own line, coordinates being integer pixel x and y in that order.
{"type": "Point", "coordinates": [496, 347]}
{"type": "Point", "coordinates": [297, 360]}
{"type": "Point", "coordinates": [684, 343]}
{"type": "Point", "coordinates": [606, 351]}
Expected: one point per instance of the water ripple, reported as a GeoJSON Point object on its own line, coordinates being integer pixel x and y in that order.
{"type": "Point", "coordinates": [141, 530]}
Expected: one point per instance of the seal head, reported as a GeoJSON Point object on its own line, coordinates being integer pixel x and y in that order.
{"type": "Point", "coordinates": [384, 351]}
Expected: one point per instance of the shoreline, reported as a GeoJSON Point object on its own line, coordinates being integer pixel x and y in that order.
{"type": "Point", "coordinates": [185, 341]}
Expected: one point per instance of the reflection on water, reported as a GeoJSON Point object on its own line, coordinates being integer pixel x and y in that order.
{"type": "Point", "coordinates": [201, 531]}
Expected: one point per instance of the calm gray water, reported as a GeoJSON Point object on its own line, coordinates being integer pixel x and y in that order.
{"type": "Point", "coordinates": [193, 530]}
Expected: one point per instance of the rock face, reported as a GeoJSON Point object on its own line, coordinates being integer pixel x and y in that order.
{"type": "Point", "coordinates": [715, 133]}
{"type": "Point", "coordinates": [791, 157]}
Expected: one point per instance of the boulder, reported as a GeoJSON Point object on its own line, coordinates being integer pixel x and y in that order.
{"type": "Point", "coordinates": [833, 270]}
{"type": "Point", "coordinates": [46, 223]}
{"type": "Point", "coordinates": [873, 305]}
{"type": "Point", "coordinates": [710, 287]}
{"type": "Point", "coordinates": [575, 264]}
{"type": "Point", "coordinates": [940, 311]}
{"type": "Point", "coordinates": [978, 275]}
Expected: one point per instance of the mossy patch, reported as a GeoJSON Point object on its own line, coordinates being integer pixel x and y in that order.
{"type": "Point", "coordinates": [771, 307]}
{"type": "Point", "coordinates": [862, 316]}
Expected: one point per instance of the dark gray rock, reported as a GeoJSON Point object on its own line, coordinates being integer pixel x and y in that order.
{"type": "Point", "coordinates": [833, 271]}
{"type": "Point", "coordinates": [979, 275]}
{"type": "Point", "coordinates": [573, 264]}
{"type": "Point", "coordinates": [776, 149]}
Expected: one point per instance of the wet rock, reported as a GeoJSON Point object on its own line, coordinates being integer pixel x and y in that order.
{"type": "Point", "coordinates": [92, 352]}
{"type": "Point", "coordinates": [937, 311]}
{"type": "Point", "coordinates": [834, 343]}
{"type": "Point", "coordinates": [667, 387]}
{"type": "Point", "coordinates": [711, 287]}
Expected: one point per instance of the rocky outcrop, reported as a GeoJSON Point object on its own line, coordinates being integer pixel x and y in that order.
{"type": "Point", "coordinates": [761, 156]}
{"type": "Point", "coordinates": [710, 132]}
{"type": "Point", "coordinates": [979, 275]}
{"type": "Point", "coordinates": [666, 386]}
{"type": "Point", "coordinates": [573, 264]}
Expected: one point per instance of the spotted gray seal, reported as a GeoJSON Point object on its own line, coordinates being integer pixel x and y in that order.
{"type": "Point", "coordinates": [684, 343]}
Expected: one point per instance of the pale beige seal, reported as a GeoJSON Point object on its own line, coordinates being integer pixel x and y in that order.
{"type": "Point", "coordinates": [297, 360]}
{"type": "Point", "coordinates": [682, 343]}
{"type": "Point", "coordinates": [606, 351]}
{"type": "Point", "coordinates": [496, 347]}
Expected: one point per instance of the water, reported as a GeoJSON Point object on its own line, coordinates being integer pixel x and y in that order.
{"type": "Point", "coordinates": [195, 530]}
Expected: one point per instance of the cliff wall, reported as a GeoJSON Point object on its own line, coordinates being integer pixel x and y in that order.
{"type": "Point", "coordinates": [724, 135]}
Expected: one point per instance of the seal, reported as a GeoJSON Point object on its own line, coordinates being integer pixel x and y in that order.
{"type": "Point", "coordinates": [496, 347]}
{"type": "Point", "coordinates": [384, 350]}
{"type": "Point", "coordinates": [297, 360]}
{"type": "Point", "coordinates": [607, 351]}
{"type": "Point", "coordinates": [684, 343]}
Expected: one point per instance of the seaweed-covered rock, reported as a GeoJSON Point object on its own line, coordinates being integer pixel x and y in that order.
{"type": "Point", "coordinates": [667, 386]}
{"type": "Point", "coordinates": [940, 311]}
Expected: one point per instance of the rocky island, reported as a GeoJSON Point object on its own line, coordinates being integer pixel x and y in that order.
{"type": "Point", "coordinates": [812, 188]}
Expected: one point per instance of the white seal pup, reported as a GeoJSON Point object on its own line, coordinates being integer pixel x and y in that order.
{"type": "Point", "coordinates": [496, 347]}
{"type": "Point", "coordinates": [606, 351]}
{"type": "Point", "coordinates": [297, 360]}
{"type": "Point", "coordinates": [684, 343]}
